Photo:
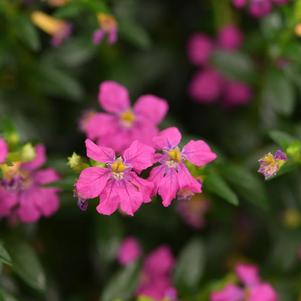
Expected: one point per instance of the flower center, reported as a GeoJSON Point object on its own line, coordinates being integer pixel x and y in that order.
{"type": "Point", "coordinates": [127, 118]}
{"type": "Point", "coordinates": [175, 155]}
{"type": "Point", "coordinates": [118, 168]}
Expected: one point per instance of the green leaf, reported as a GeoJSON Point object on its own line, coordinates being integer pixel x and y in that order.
{"type": "Point", "coordinates": [122, 285]}
{"type": "Point", "coordinates": [234, 65]}
{"type": "Point", "coordinates": [247, 184]}
{"type": "Point", "coordinates": [216, 185]}
{"type": "Point", "coordinates": [190, 265]}
{"type": "Point", "coordinates": [279, 93]}
{"type": "Point", "coordinates": [282, 139]}
{"type": "Point", "coordinates": [70, 10]}
{"type": "Point", "coordinates": [4, 296]}
{"type": "Point", "coordinates": [25, 263]}
{"type": "Point", "coordinates": [28, 33]}
{"type": "Point", "coordinates": [4, 256]}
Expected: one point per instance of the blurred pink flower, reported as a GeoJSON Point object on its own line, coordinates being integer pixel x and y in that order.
{"type": "Point", "coordinates": [121, 125]}
{"type": "Point", "coordinates": [117, 183]}
{"type": "Point", "coordinates": [206, 86]}
{"type": "Point", "coordinates": [230, 37]}
{"type": "Point", "coordinates": [236, 93]}
{"type": "Point", "coordinates": [230, 292]}
{"type": "Point", "coordinates": [260, 8]}
{"type": "Point", "coordinates": [129, 251]}
{"type": "Point", "coordinates": [22, 192]}
{"type": "Point", "coordinates": [247, 273]}
{"type": "Point", "coordinates": [155, 280]}
{"type": "Point", "coordinates": [193, 210]}
{"type": "Point", "coordinates": [108, 26]}
{"type": "Point", "coordinates": [3, 150]}
{"type": "Point", "coordinates": [239, 3]}
{"type": "Point", "coordinates": [199, 49]}
{"type": "Point", "coordinates": [172, 175]}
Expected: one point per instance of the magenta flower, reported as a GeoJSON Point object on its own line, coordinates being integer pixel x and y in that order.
{"type": "Point", "coordinates": [117, 184]}
{"type": "Point", "coordinates": [129, 251]}
{"type": "Point", "coordinates": [236, 93]}
{"type": "Point", "coordinates": [230, 38]}
{"type": "Point", "coordinates": [260, 8]}
{"type": "Point", "coordinates": [3, 150]}
{"type": "Point", "coordinates": [108, 26]}
{"type": "Point", "coordinates": [206, 86]}
{"type": "Point", "coordinates": [251, 288]}
{"type": "Point", "coordinates": [199, 49]}
{"type": "Point", "coordinates": [122, 124]}
{"type": "Point", "coordinates": [155, 279]}
{"type": "Point", "coordinates": [22, 192]}
{"type": "Point", "coordinates": [172, 175]}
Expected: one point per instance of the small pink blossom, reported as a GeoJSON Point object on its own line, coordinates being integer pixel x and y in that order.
{"type": "Point", "coordinates": [122, 124]}
{"type": "Point", "coordinates": [22, 192]}
{"type": "Point", "coordinates": [199, 49]}
{"type": "Point", "coordinates": [129, 251]}
{"type": "Point", "coordinates": [3, 150]}
{"type": "Point", "coordinates": [230, 38]}
{"type": "Point", "coordinates": [117, 184]}
{"type": "Point", "coordinates": [236, 94]}
{"type": "Point", "coordinates": [206, 86]}
{"type": "Point", "coordinates": [247, 273]}
{"type": "Point", "coordinates": [260, 8]}
{"type": "Point", "coordinates": [172, 175]}
{"type": "Point", "coordinates": [108, 26]}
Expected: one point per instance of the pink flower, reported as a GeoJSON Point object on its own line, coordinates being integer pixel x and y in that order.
{"type": "Point", "coordinates": [108, 26]}
{"type": "Point", "coordinates": [260, 8]}
{"type": "Point", "coordinates": [229, 293]}
{"type": "Point", "coordinates": [230, 37]}
{"type": "Point", "coordinates": [172, 175]}
{"type": "Point", "coordinates": [236, 93]}
{"type": "Point", "coordinates": [206, 86]}
{"type": "Point", "coordinates": [3, 150]}
{"type": "Point", "coordinates": [155, 281]}
{"type": "Point", "coordinates": [199, 49]}
{"type": "Point", "coordinates": [239, 3]}
{"type": "Point", "coordinates": [129, 251]}
{"type": "Point", "coordinates": [248, 274]}
{"type": "Point", "coordinates": [263, 292]}
{"type": "Point", "coordinates": [116, 184]}
{"type": "Point", "coordinates": [121, 125]}
{"type": "Point", "coordinates": [22, 192]}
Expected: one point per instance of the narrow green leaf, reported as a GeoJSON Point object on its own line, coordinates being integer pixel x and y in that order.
{"type": "Point", "coordinates": [282, 139]}
{"type": "Point", "coordinates": [25, 263]}
{"type": "Point", "coordinates": [216, 185]}
{"type": "Point", "coordinates": [4, 256]}
{"type": "Point", "coordinates": [190, 265]}
{"type": "Point", "coordinates": [122, 285]}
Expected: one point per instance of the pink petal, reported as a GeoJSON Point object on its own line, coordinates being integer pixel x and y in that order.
{"type": "Point", "coordinates": [198, 152]}
{"type": "Point", "coordinates": [113, 97]}
{"type": "Point", "coordinates": [98, 36]}
{"type": "Point", "coordinates": [112, 36]}
{"type": "Point", "coordinates": [109, 199]}
{"type": "Point", "coordinates": [247, 273]}
{"type": "Point", "coordinates": [144, 132]}
{"type": "Point", "coordinates": [152, 108]}
{"type": "Point", "coordinates": [263, 292]}
{"type": "Point", "coordinates": [156, 176]}
{"type": "Point", "coordinates": [230, 37]}
{"type": "Point", "coordinates": [46, 200]}
{"type": "Point", "coordinates": [45, 176]}
{"type": "Point", "coordinates": [8, 200]}
{"type": "Point", "coordinates": [168, 138]}
{"type": "Point", "coordinates": [168, 187]}
{"type": "Point", "coordinates": [139, 156]}
{"type": "Point", "coordinates": [39, 159]}
{"type": "Point", "coordinates": [229, 293]}
{"type": "Point", "coordinates": [145, 187]}
{"type": "Point", "coordinates": [91, 182]}
{"type": "Point", "coordinates": [100, 124]}
{"type": "Point", "coordinates": [99, 153]}
{"type": "Point", "coordinates": [3, 150]}
{"type": "Point", "coordinates": [129, 251]}
{"type": "Point", "coordinates": [187, 181]}
{"type": "Point", "coordinates": [28, 211]}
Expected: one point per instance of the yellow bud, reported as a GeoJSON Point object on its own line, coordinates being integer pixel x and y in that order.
{"type": "Point", "coordinates": [27, 152]}
{"type": "Point", "coordinates": [75, 162]}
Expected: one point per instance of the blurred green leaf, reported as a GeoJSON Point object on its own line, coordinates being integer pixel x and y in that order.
{"type": "Point", "coordinates": [247, 184]}
{"type": "Point", "coordinates": [27, 33]}
{"type": "Point", "coordinates": [282, 139]}
{"type": "Point", "coordinates": [234, 65]}
{"type": "Point", "coordinates": [279, 93]}
{"type": "Point", "coordinates": [122, 285]}
{"type": "Point", "coordinates": [190, 265]}
{"type": "Point", "coordinates": [4, 256]}
{"type": "Point", "coordinates": [25, 263]}
{"type": "Point", "coordinates": [70, 10]}
{"type": "Point", "coordinates": [216, 185]}
{"type": "Point", "coordinates": [4, 296]}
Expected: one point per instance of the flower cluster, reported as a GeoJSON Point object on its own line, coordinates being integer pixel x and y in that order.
{"type": "Point", "coordinates": [23, 195]}
{"type": "Point", "coordinates": [107, 26]}
{"type": "Point", "coordinates": [208, 84]}
{"type": "Point", "coordinates": [270, 164]}
{"type": "Point", "coordinates": [155, 277]}
{"type": "Point", "coordinates": [258, 8]}
{"type": "Point", "coordinates": [117, 179]}
{"type": "Point", "coordinates": [250, 287]}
